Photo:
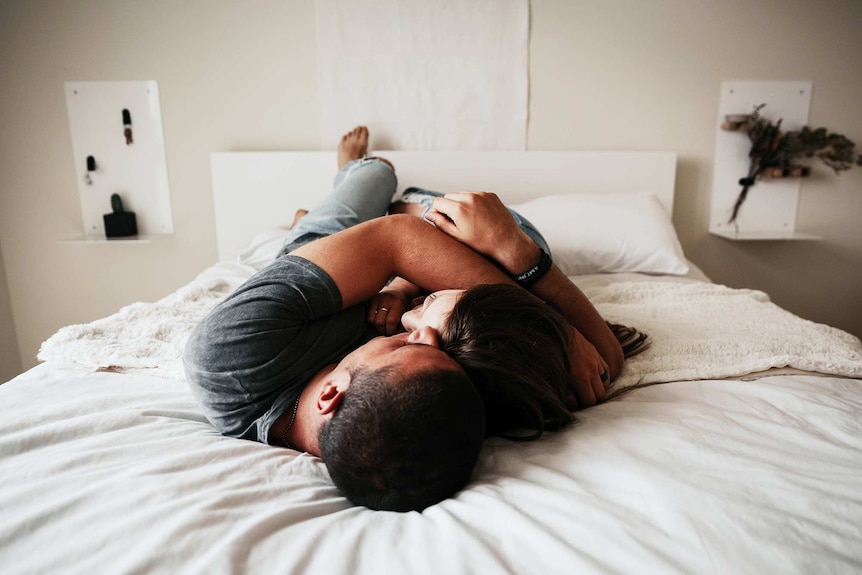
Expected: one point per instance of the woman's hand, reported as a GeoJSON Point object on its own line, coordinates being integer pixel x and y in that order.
{"type": "Point", "coordinates": [590, 375]}
{"type": "Point", "coordinates": [386, 308]}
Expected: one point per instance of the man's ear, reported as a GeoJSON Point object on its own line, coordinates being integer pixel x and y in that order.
{"type": "Point", "coordinates": [329, 398]}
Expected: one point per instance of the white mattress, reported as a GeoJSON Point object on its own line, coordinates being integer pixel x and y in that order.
{"type": "Point", "coordinates": [108, 472]}
{"type": "Point", "coordinates": [104, 472]}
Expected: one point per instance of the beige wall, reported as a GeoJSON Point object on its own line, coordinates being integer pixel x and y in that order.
{"type": "Point", "coordinates": [10, 360]}
{"type": "Point", "coordinates": [240, 75]}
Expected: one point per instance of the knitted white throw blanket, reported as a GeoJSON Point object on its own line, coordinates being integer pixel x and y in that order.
{"type": "Point", "coordinates": [141, 337]}
{"type": "Point", "coordinates": [698, 331]}
{"type": "Point", "coordinates": [708, 331]}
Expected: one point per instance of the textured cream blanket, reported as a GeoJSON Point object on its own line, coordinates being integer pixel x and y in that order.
{"type": "Point", "coordinates": [708, 331]}
{"type": "Point", "coordinates": [142, 337]}
{"type": "Point", "coordinates": [698, 331]}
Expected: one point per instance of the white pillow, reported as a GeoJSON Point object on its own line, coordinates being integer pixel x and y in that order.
{"type": "Point", "coordinates": [263, 248]}
{"type": "Point", "coordinates": [596, 233]}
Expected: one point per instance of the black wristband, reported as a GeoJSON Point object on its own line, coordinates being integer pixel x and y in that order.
{"type": "Point", "coordinates": [536, 272]}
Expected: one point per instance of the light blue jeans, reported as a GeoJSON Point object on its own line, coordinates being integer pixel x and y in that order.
{"type": "Point", "coordinates": [362, 191]}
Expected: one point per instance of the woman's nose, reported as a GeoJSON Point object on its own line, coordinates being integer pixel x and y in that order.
{"type": "Point", "coordinates": [408, 320]}
{"type": "Point", "coordinates": [425, 335]}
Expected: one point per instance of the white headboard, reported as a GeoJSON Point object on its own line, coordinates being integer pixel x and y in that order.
{"type": "Point", "coordinates": [254, 191]}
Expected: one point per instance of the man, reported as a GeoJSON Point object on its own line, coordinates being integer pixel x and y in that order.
{"type": "Point", "coordinates": [289, 359]}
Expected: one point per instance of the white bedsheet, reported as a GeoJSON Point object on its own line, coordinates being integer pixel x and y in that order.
{"type": "Point", "coordinates": [120, 473]}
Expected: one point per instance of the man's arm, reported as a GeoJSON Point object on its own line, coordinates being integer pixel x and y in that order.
{"type": "Point", "coordinates": [361, 259]}
{"type": "Point", "coordinates": [482, 221]}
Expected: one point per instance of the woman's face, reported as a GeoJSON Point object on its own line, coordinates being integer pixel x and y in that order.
{"type": "Point", "coordinates": [431, 310]}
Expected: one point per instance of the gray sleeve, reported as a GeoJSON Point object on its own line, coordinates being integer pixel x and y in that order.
{"type": "Point", "coordinates": [254, 353]}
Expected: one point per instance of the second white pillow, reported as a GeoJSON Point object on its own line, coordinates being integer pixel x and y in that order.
{"type": "Point", "coordinates": [605, 233]}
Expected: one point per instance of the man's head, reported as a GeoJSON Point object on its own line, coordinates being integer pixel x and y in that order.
{"type": "Point", "coordinates": [408, 428]}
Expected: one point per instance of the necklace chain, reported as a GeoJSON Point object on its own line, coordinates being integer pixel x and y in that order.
{"type": "Point", "coordinates": [289, 425]}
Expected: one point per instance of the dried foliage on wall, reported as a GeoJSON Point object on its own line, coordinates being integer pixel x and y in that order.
{"type": "Point", "coordinates": [775, 153]}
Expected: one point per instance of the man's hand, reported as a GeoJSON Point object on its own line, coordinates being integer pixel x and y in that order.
{"type": "Point", "coordinates": [481, 221]}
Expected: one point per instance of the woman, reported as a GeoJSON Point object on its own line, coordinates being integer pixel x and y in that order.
{"type": "Point", "coordinates": [533, 363]}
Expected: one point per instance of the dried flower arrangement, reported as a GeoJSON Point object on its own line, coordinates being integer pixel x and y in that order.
{"type": "Point", "coordinates": [777, 154]}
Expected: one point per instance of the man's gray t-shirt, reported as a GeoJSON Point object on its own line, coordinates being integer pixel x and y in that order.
{"type": "Point", "coordinates": [249, 359]}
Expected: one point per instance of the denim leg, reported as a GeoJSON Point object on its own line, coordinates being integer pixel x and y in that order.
{"type": "Point", "coordinates": [362, 191]}
{"type": "Point", "coordinates": [425, 198]}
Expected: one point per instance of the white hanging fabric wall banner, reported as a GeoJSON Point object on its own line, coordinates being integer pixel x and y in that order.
{"type": "Point", "coordinates": [423, 75]}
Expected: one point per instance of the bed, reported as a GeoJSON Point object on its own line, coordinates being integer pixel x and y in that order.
{"type": "Point", "coordinates": [733, 445]}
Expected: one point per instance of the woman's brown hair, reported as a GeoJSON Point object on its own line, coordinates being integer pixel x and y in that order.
{"type": "Point", "coordinates": [515, 348]}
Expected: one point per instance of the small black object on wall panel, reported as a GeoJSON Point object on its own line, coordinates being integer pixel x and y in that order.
{"type": "Point", "coordinates": [120, 223]}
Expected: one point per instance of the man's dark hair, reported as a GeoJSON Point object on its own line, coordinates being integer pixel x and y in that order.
{"type": "Point", "coordinates": [515, 349]}
{"type": "Point", "coordinates": [404, 442]}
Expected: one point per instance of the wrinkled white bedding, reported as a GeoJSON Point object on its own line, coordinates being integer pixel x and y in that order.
{"type": "Point", "coordinates": [119, 473]}
{"type": "Point", "coordinates": [110, 472]}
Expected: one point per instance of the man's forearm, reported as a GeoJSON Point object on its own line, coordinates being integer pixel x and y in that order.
{"type": "Point", "coordinates": [361, 259]}
{"type": "Point", "coordinates": [555, 288]}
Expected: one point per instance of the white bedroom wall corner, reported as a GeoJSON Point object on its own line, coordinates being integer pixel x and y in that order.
{"type": "Point", "coordinates": [217, 91]}
{"type": "Point", "coordinates": [620, 75]}
{"type": "Point", "coordinates": [10, 358]}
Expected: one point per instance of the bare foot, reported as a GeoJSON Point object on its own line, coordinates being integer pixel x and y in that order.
{"type": "Point", "coordinates": [297, 216]}
{"type": "Point", "coordinates": [353, 145]}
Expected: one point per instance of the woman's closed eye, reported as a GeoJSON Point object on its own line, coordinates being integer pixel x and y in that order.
{"type": "Point", "coordinates": [423, 301]}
